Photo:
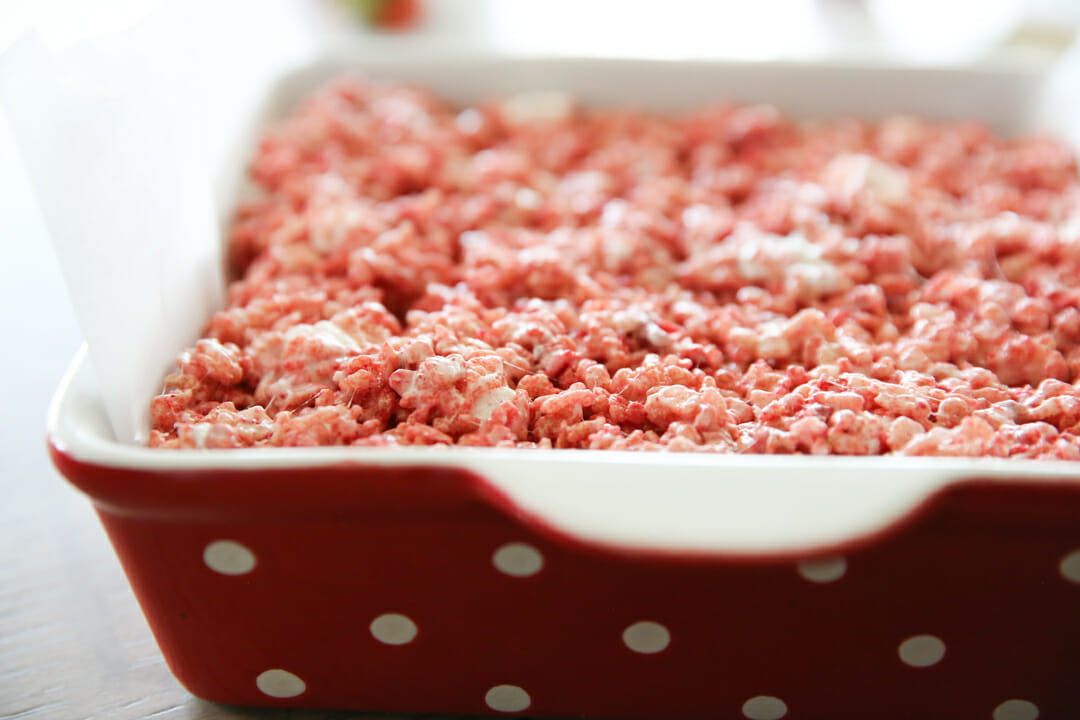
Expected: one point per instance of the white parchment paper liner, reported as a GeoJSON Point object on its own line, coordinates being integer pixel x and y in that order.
{"type": "Point", "coordinates": [124, 139]}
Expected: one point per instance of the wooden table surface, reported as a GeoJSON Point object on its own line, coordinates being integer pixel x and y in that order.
{"type": "Point", "coordinates": [73, 643]}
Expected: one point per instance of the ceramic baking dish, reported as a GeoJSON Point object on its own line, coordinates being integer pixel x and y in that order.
{"type": "Point", "coordinates": [605, 584]}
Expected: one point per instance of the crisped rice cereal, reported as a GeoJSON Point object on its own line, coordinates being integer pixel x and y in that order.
{"type": "Point", "coordinates": [529, 273]}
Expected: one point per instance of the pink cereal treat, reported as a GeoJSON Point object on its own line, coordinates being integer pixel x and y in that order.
{"type": "Point", "coordinates": [531, 273]}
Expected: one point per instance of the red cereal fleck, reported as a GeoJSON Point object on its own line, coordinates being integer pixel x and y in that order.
{"type": "Point", "coordinates": [531, 273]}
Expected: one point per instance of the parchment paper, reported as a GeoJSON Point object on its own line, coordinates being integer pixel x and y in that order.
{"type": "Point", "coordinates": [123, 139]}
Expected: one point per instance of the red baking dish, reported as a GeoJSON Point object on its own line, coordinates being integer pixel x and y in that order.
{"type": "Point", "coordinates": [606, 584]}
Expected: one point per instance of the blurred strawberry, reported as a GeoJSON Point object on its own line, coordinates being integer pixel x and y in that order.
{"type": "Point", "coordinates": [386, 14]}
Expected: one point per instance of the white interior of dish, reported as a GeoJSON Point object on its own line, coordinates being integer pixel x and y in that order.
{"type": "Point", "coordinates": [744, 504]}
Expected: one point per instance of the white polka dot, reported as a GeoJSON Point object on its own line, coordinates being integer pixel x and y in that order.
{"type": "Point", "coordinates": [1070, 567]}
{"type": "Point", "coordinates": [824, 570]}
{"type": "Point", "coordinates": [922, 651]}
{"type": "Point", "coordinates": [280, 684]}
{"type": "Point", "coordinates": [228, 557]}
{"type": "Point", "coordinates": [393, 629]}
{"type": "Point", "coordinates": [518, 559]}
{"type": "Point", "coordinates": [646, 637]}
{"type": "Point", "coordinates": [764, 707]}
{"type": "Point", "coordinates": [507, 698]}
{"type": "Point", "coordinates": [1016, 710]}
